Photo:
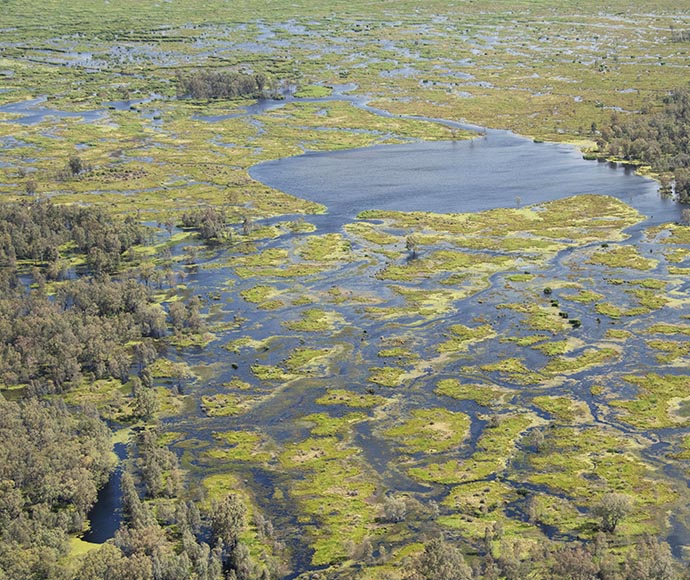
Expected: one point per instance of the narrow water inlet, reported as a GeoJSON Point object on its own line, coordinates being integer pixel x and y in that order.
{"type": "Point", "coordinates": [106, 515]}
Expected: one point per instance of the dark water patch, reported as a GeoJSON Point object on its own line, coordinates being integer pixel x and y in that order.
{"type": "Point", "coordinates": [283, 517]}
{"type": "Point", "coordinates": [106, 515]}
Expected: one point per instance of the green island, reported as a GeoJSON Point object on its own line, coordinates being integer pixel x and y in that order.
{"type": "Point", "coordinates": [206, 377]}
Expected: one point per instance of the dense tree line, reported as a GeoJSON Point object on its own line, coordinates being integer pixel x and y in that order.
{"type": "Point", "coordinates": [38, 230]}
{"type": "Point", "coordinates": [83, 329]}
{"type": "Point", "coordinates": [52, 462]}
{"type": "Point", "coordinates": [209, 222]}
{"type": "Point", "coordinates": [51, 343]}
{"type": "Point", "coordinates": [205, 84]}
{"type": "Point", "coordinates": [647, 560]}
{"type": "Point", "coordinates": [53, 458]}
{"type": "Point", "coordinates": [660, 138]}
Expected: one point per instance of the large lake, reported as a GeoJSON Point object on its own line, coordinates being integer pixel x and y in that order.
{"type": "Point", "coordinates": [457, 176]}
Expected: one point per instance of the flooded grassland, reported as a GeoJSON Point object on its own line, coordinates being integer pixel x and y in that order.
{"type": "Point", "coordinates": [368, 377]}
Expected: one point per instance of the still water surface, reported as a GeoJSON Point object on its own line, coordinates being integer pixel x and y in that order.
{"type": "Point", "coordinates": [499, 169]}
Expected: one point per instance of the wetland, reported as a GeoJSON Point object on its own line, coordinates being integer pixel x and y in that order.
{"type": "Point", "coordinates": [393, 305]}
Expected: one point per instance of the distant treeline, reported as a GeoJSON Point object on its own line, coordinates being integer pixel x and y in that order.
{"type": "Point", "coordinates": [660, 138]}
{"type": "Point", "coordinates": [224, 85]}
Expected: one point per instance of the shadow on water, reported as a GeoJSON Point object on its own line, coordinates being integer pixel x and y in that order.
{"type": "Point", "coordinates": [106, 514]}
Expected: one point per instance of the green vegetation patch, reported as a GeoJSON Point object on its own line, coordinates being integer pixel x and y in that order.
{"type": "Point", "coordinates": [610, 310]}
{"type": "Point", "coordinates": [657, 395]}
{"type": "Point", "coordinates": [236, 346]}
{"type": "Point", "coordinates": [260, 293]}
{"type": "Point", "coordinates": [670, 329]}
{"type": "Point", "coordinates": [325, 425]}
{"type": "Point", "coordinates": [582, 218]}
{"type": "Point", "coordinates": [649, 299]}
{"type": "Point", "coordinates": [431, 431]}
{"type": "Point", "coordinates": [304, 358]}
{"type": "Point", "coordinates": [429, 302]}
{"type": "Point", "coordinates": [463, 336]}
{"type": "Point", "coordinates": [478, 508]}
{"type": "Point", "coordinates": [495, 447]}
{"type": "Point", "coordinates": [482, 394]}
{"type": "Point", "coordinates": [520, 277]}
{"type": "Point", "coordinates": [539, 318]}
{"type": "Point", "coordinates": [326, 248]}
{"type": "Point", "coordinates": [446, 261]}
{"type": "Point", "coordinates": [618, 334]}
{"type": "Point", "coordinates": [350, 399]}
{"type": "Point", "coordinates": [222, 405]}
{"type": "Point", "coordinates": [333, 494]}
{"type": "Point", "coordinates": [671, 350]}
{"type": "Point", "coordinates": [299, 226]}
{"type": "Point", "coordinates": [314, 320]}
{"type": "Point", "coordinates": [165, 368]}
{"type": "Point", "coordinates": [556, 347]}
{"type": "Point", "coordinates": [564, 409]}
{"type": "Point", "coordinates": [109, 396]}
{"type": "Point", "coordinates": [246, 446]}
{"type": "Point", "coordinates": [272, 373]}
{"type": "Point", "coordinates": [586, 463]}
{"type": "Point", "coordinates": [313, 92]}
{"type": "Point", "coordinates": [555, 511]}
{"type": "Point", "coordinates": [514, 369]}
{"type": "Point", "coordinates": [370, 233]}
{"type": "Point", "coordinates": [480, 498]}
{"type": "Point", "coordinates": [398, 352]}
{"type": "Point", "coordinates": [622, 257]}
{"type": "Point", "coordinates": [584, 296]}
{"type": "Point", "coordinates": [387, 376]}
{"type": "Point", "coordinates": [589, 358]}
{"type": "Point", "coordinates": [675, 233]}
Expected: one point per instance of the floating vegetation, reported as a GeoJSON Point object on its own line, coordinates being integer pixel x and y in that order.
{"type": "Point", "coordinates": [622, 257]}
{"type": "Point", "coordinates": [314, 320]}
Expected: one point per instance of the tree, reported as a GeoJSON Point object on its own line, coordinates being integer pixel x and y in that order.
{"type": "Point", "coordinates": [394, 509]}
{"type": "Point", "coordinates": [30, 187]}
{"type": "Point", "coordinates": [228, 519]}
{"type": "Point", "coordinates": [145, 403]}
{"type": "Point", "coordinates": [574, 563]}
{"type": "Point", "coordinates": [411, 245]}
{"type": "Point", "coordinates": [650, 560]}
{"type": "Point", "coordinates": [685, 216]}
{"type": "Point", "coordinates": [612, 508]}
{"type": "Point", "coordinates": [132, 505]}
{"type": "Point", "coordinates": [441, 561]}
{"type": "Point", "coordinates": [75, 165]}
